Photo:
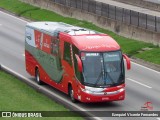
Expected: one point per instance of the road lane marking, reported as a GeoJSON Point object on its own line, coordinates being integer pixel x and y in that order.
{"type": "Point", "coordinates": [158, 118]}
{"type": "Point", "coordinates": [139, 83]}
{"type": "Point", "coordinates": [14, 17]}
{"type": "Point", "coordinates": [146, 67]}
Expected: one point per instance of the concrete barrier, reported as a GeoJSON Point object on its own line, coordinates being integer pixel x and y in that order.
{"type": "Point", "coordinates": [120, 28]}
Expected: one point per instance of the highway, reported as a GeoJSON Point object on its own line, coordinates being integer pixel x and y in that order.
{"type": "Point", "coordinates": [142, 84]}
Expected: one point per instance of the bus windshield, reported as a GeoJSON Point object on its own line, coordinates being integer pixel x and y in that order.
{"type": "Point", "coordinates": [102, 69]}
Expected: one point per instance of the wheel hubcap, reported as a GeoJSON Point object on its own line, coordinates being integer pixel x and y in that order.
{"type": "Point", "coordinates": [38, 77]}
{"type": "Point", "coordinates": [72, 93]}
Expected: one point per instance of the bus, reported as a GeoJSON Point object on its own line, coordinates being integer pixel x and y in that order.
{"type": "Point", "coordinates": [85, 64]}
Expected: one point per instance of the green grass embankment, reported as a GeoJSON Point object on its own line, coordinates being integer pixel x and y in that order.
{"type": "Point", "coordinates": [129, 46]}
{"type": "Point", "coordinates": [17, 96]}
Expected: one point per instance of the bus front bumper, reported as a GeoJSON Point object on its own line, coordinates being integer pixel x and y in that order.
{"type": "Point", "coordinates": [102, 96]}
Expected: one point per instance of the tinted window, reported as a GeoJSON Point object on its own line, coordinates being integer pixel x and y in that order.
{"type": "Point", "coordinates": [101, 69]}
{"type": "Point", "coordinates": [67, 53]}
{"type": "Point", "coordinates": [77, 73]}
{"type": "Point", "coordinates": [55, 46]}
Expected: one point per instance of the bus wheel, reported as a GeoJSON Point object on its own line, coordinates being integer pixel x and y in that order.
{"type": "Point", "coordinates": [37, 77]}
{"type": "Point", "coordinates": [71, 94]}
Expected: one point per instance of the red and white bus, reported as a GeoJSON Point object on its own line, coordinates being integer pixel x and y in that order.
{"type": "Point", "coordinates": [85, 64]}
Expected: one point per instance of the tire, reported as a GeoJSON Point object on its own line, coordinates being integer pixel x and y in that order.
{"type": "Point", "coordinates": [71, 94]}
{"type": "Point", "coordinates": [37, 77]}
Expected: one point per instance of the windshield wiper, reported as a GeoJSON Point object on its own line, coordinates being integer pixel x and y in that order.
{"type": "Point", "coordinates": [110, 78]}
{"type": "Point", "coordinates": [98, 78]}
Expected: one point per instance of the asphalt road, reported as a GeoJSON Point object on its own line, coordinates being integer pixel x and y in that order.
{"type": "Point", "coordinates": [142, 84]}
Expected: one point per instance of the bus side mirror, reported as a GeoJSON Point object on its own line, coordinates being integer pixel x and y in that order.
{"type": "Point", "coordinates": [127, 61]}
{"type": "Point", "coordinates": [79, 62]}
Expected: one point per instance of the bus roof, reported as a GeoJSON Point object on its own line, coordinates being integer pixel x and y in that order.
{"type": "Point", "coordinates": [84, 39]}
{"type": "Point", "coordinates": [53, 28]}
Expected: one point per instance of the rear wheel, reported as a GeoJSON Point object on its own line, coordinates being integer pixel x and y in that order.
{"type": "Point", "coordinates": [71, 94]}
{"type": "Point", "coordinates": [37, 77]}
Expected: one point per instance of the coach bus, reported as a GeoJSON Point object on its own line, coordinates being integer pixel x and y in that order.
{"type": "Point", "coordinates": [85, 64]}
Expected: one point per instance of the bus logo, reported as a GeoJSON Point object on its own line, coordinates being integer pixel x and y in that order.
{"type": "Point", "coordinates": [147, 106]}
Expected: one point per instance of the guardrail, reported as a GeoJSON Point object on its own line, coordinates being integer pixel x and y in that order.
{"type": "Point", "coordinates": [126, 16]}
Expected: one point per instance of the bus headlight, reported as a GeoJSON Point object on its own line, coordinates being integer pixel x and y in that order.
{"type": "Point", "coordinates": [121, 90]}
{"type": "Point", "coordinates": [86, 90]}
{"type": "Point", "coordinates": [92, 90]}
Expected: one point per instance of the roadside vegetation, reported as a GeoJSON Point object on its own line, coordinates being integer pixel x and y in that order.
{"type": "Point", "coordinates": [18, 96]}
{"type": "Point", "coordinates": [129, 46]}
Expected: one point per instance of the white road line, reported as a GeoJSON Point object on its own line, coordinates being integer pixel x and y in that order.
{"type": "Point", "coordinates": [146, 67]}
{"type": "Point", "coordinates": [14, 17]}
{"type": "Point", "coordinates": [158, 118]}
{"type": "Point", "coordinates": [139, 83]}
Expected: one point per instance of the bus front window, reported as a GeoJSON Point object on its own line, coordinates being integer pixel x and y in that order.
{"type": "Point", "coordinates": [103, 69]}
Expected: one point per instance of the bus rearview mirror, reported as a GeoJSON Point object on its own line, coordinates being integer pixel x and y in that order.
{"type": "Point", "coordinates": [79, 62]}
{"type": "Point", "coordinates": [127, 61]}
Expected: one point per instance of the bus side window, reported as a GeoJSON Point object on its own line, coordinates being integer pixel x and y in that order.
{"type": "Point", "coordinates": [55, 46]}
{"type": "Point", "coordinates": [77, 73]}
{"type": "Point", "coordinates": [67, 53]}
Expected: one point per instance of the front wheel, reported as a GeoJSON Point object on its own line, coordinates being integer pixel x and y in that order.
{"type": "Point", "coordinates": [71, 94]}
{"type": "Point", "coordinates": [37, 77]}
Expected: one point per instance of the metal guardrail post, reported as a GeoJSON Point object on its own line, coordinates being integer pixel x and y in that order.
{"type": "Point", "coordinates": [146, 21]}
{"type": "Point", "coordinates": [115, 12]}
{"type": "Point", "coordinates": [76, 3]}
{"type": "Point", "coordinates": [138, 19]}
{"type": "Point", "coordinates": [81, 4]}
{"type": "Point", "coordinates": [65, 2]}
{"type": "Point", "coordinates": [122, 14]}
{"type": "Point", "coordinates": [88, 5]}
{"type": "Point", "coordinates": [101, 9]}
{"type": "Point", "coordinates": [108, 10]}
{"type": "Point", "coordinates": [130, 12]}
{"type": "Point", "coordinates": [70, 3]}
{"type": "Point", "coordinates": [155, 23]}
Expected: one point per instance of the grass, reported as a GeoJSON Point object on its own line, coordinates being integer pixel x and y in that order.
{"type": "Point", "coordinates": [16, 95]}
{"type": "Point", "coordinates": [148, 55]}
{"type": "Point", "coordinates": [129, 46]}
